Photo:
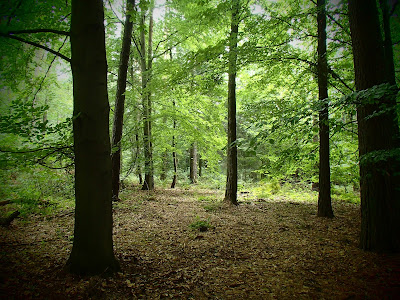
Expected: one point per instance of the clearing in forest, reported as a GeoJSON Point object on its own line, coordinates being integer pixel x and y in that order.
{"type": "Point", "coordinates": [184, 244]}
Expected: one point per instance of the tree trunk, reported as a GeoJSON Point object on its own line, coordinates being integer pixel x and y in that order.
{"type": "Point", "coordinates": [324, 196]}
{"type": "Point", "coordinates": [193, 163]}
{"type": "Point", "coordinates": [92, 250]}
{"type": "Point", "coordinates": [120, 100]}
{"type": "Point", "coordinates": [231, 180]}
{"type": "Point", "coordinates": [163, 174]}
{"type": "Point", "coordinates": [174, 158]}
{"type": "Point", "coordinates": [200, 167]}
{"type": "Point", "coordinates": [137, 139]}
{"type": "Point", "coordinates": [148, 183]}
{"type": "Point", "coordinates": [164, 162]}
{"type": "Point", "coordinates": [378, 134]}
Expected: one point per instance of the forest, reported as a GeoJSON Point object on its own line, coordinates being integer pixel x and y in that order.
{"type": "Point", "coordinates": [199, 149]}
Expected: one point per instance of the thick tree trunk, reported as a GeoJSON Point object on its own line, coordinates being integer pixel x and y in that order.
{"type": "Point", "coordinates": [378, 134]}
{"type": "Point", "coordinates": [324, 196]}
{"type": "Point", "coordinates": [231, 178]}
{"type": "Point", "coordinates": [120, 100]}
{"type": "Point", "coordinates": [193, 163]}
{"type": "Point", "coordinates": [92, 251]}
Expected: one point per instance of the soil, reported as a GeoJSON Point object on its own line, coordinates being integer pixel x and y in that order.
{"type": "Point", "coordinates": [262, 249]}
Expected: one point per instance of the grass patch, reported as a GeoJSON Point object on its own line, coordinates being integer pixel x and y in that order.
{"type": "Point", "coordinates": [201, 225]}
{"type": "Point", "coordinates": [341, 193]}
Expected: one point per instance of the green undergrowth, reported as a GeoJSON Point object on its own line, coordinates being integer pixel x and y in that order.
{"type": "Point", "coordinates": [201, 224]}
{"type": "Point", "coordinates": [37, 191]}
{"type": "Point", "coordinates": [299, 191]}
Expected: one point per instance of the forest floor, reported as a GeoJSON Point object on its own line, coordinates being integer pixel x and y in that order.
{"type": "Point", "coordinates": [184, 244]}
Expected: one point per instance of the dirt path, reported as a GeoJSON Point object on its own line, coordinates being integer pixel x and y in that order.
{"type": "Point", "coordinates": [260, 250]}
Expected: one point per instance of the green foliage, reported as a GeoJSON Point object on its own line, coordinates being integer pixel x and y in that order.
{"type": "Point", "coordinates": [266, 189]}
{"type": "Point", "coordinates": [207, 198]}
{"type": "Point", "coordinates": [38, 190]}
{"type": "Point", "coordinates": [201, 225]}
{"type": "Point", "coordinates": [346, 194]}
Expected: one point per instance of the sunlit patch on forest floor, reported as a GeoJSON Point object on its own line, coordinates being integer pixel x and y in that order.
{"type": "Point", "coordinates": [184, 244]}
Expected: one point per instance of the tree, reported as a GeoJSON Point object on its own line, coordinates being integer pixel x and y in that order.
{"type": "Point", "coordinates": [378, 133]}
{"type": "Point", "coordinates": [174, 157]}
{"type": "Point", "coordinates": [92, 250]}
{"type": "Point", "coordinates": [324, 196]}
{"type": "Point", "coordinates": [146, 66]}
{"type": "Point", "coordinates": [120, 99]}
{"type": "Point", "coordinates": [231, 177]}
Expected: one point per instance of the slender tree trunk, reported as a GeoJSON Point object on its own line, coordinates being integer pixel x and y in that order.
{"type": "Point", "coordinates": [174, 157]}
{"type": "Point", "coordinates": [120, 100]}
{"type": "Point", "coordinates": [163, 174]}
{"type": "Point", "coordinates": [138, 168]}
{"type": "Point", "coordinates": [378, 134]}
{"type": "Point", "coordinates": [137, 139]}
{"type": "Point", "coordinates": [92, 250]}
{"type": "Point", "coordinates": [324, 196]}
{"type": "Point", "coordinates": [148, 183]}
{"type": "Point", "coordinates": [193, 163]}
{"type": "Point", "coordinates": [200, 166]}
{"type": "Point", "coordinates": [231, 181]}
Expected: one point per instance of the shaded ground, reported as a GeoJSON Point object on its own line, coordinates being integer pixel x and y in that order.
{"type": "Point", "coordinates": [260, 250]}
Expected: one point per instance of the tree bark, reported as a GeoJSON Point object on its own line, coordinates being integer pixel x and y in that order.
{"type": "Point", "coordinates": [92, 250]}
{"type": "Point", "coordinates": [378, 134]}
{"type": "Point", "coordinates": [193, 163]}
{"type": "Point", "coordinates": [231, 180]}
{"type": "Point", "coordinates": [120, 100]}
{"type": "Point", "coordinates": [324, 196]}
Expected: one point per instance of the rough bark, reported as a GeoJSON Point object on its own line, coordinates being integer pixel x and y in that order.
{"type": "Point", "coordinates": [324, 196]}
{"type": "Point", "coordinates": [120, 100]}
{"type": "Point", "coordinates": [92, 250]}
{"type": "Point", "coordinates": [231, 178]}
{"type": "Point", "coordinates": [193, 163]}
{"type": "Point", "coordinates": [378, 134]}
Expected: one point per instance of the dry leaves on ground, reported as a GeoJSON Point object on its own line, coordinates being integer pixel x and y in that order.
{"type": "Point", "coordinates": [262, 249]}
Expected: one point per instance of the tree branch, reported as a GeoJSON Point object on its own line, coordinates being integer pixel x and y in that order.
{"type": "Point", "coordinates": [36, 45]}
{"type": "Point", "coordinates": [37, 150]}
{"type": "Point", "coordinates": [40, 30]}
{"type": "Point", "coordinates": [48, 69]}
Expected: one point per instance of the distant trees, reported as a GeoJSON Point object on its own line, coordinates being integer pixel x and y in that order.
{"type": "Point", "coordinates": [92, 250]}
{"type": "Point", "coordinates": [378, 131]}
